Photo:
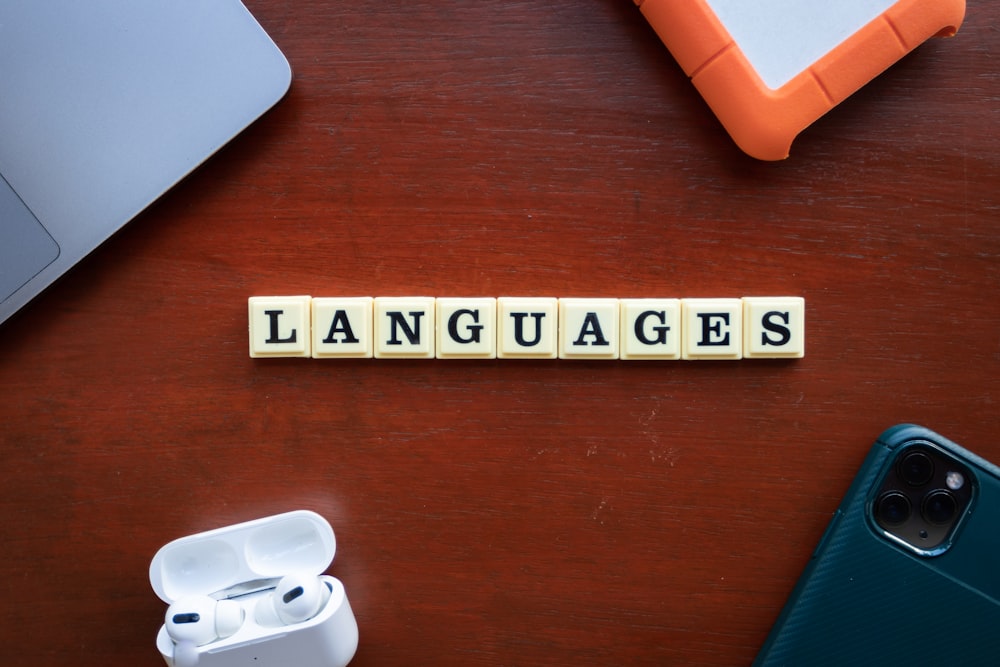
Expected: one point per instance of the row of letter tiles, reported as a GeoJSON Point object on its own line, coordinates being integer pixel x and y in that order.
{"type": "Point", "coordinates": [526, 328]}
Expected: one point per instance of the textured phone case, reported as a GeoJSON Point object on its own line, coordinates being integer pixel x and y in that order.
{"type": "Point", "coordinates": [864, 600]}
{"type": "Point", "coordinates": [761, 119]}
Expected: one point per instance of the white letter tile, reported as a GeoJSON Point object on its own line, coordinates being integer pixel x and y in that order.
{"type": "Point", "coordinates": [466, 328]}
{"type": "Point", "coordinates": [342, 327]}
{"type": "Point", "coordinates": [527, 327]}
{"type": "Point", "coordinates": [774, 327]}
{"type": "Point", "coordinates": [404, 327]}
{"type": "Point", "coordinates": [279, 326]}
{"type": "Point", "coordinates": [713, 328]}
{"type": "Point", "coordinates": [588, 328]}
{"type": "Point", "coordinates": [650, 329]}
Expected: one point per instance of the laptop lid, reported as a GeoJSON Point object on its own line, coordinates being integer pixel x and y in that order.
{"type": "Point", "coordinates": [104, 105]}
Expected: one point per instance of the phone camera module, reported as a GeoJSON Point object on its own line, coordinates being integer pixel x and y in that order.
{"type": "Point", "coordinates": [916, 468]}
{"type": "Point", "coordinates": [922, 498]}
{"type": "Point", "coordinates": [940, 507]}
{"type": "Point", "coordinates": [893, 508]}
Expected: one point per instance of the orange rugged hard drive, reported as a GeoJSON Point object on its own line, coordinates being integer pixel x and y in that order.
{"type": "Point", "coordinates": [769, 68]}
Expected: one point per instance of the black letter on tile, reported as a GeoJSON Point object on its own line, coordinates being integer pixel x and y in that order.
{"type": "Point", "coordinates": [273, 316]}
{"type": "Point", "coordinates": [341, 325]}
{"type": "Point", "coordinates": [591, 327]}
{"type": "Point", "coordinates": [661, 331]}
{"type": "Point", "coordinates": [519, 328]}
{"type": "Point", "coordinates": [473, 328]}
{"type": "Point", "coordinates": [784, 333]}
{"type": "Point", "coordinates": [708, 328]}
{"type": "Point", "coordinates": [412, 335]}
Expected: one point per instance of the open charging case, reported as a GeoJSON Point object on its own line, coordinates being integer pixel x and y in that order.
{"type": "Point", "coordinates": [244, 563]}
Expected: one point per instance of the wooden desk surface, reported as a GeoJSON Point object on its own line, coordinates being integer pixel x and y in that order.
{"type": "Point", "coordinates": [505, 513]}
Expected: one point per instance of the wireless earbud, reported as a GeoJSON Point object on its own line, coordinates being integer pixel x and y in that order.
{"type": "Point", "coordinates": [254, 595]}
{"type": "Point", "coordinates": [200, 619]}
{"type": "Point", "coordinates": [296, 598]}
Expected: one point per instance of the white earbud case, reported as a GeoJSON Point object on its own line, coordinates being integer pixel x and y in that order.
{"type": "Point", "coordinates": [244, 563]}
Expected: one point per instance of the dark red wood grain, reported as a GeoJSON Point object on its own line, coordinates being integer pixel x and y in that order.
{"type": "Point", "coordinates": [505, 512]}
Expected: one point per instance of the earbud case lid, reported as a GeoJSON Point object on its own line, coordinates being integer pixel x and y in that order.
{"type": "Point", "coordinates": [209, 562]}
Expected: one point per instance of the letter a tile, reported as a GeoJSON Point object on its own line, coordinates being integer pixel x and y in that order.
{"type": "Point", "coordinates": [588, 328]}
{"type": "Point", "coordinates": [342, 327]}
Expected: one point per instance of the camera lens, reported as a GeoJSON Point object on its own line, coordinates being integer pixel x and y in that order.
{"type": "Point", "coordinates": [940, 507]}
{"type": "Point", "coordinates": [916, 468]}
{"type": "Point", "coordinates": [893, 508]}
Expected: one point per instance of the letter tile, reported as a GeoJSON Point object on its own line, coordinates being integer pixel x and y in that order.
{"type": "Point", "coordinates": [650, 329]}
{"type": "Point", "coordinates": [527, 327]}
{"type": "Point", "coordinates": [774, 327]}
{"type": "Point", "coordinates": [588, 328]}
{"type": "Point", "coordinates": [466, 328]}
{"type": "Point", "coordinates": [279, 326]}
{"type": "Point", "coordinates": [712, 328]}
{"type": "Point", "coordinates": [342, 327]}
{"type": "Point", "coordinates": [404, 327]}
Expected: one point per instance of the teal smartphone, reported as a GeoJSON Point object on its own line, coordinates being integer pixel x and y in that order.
{"type": "Point", "coordinates": [908, 570]}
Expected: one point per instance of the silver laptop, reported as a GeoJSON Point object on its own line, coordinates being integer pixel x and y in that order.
{"type": "Point", "coordinates": [104, 105]}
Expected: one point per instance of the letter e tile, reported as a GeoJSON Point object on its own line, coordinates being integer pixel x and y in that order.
{"type": "Point", "coordinates": [712, 328]}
